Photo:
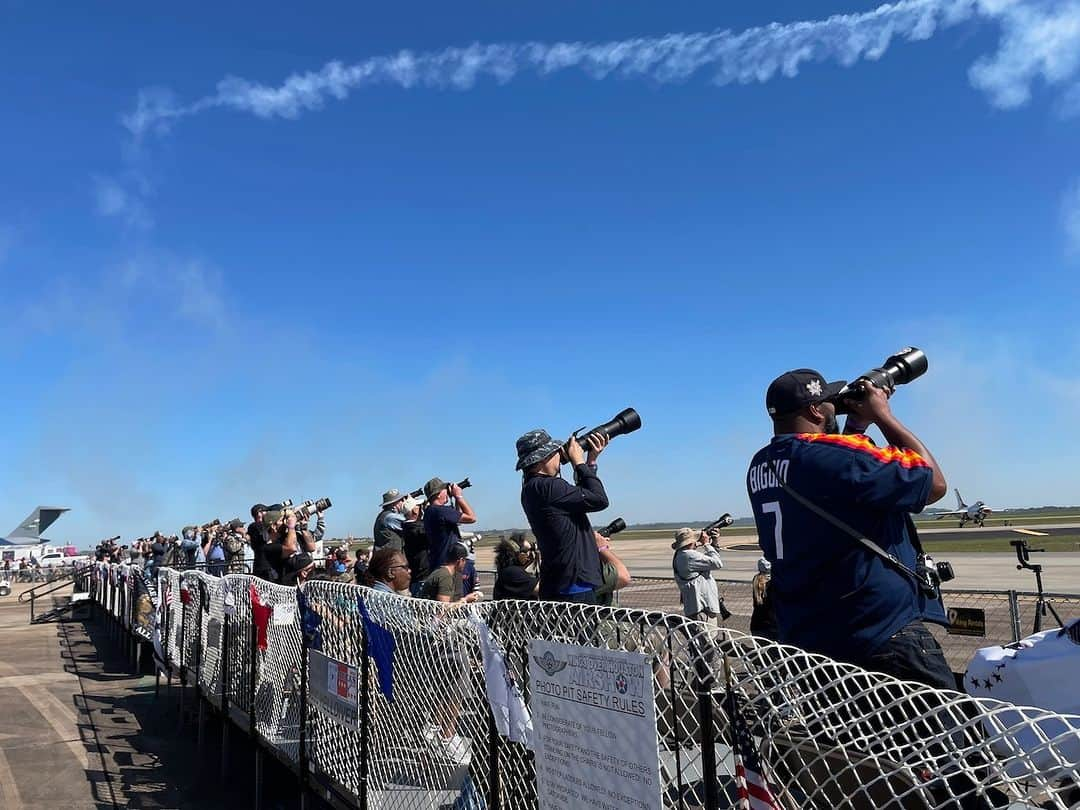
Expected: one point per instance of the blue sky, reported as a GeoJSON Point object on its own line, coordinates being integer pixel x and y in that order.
{"type": "Point", "coordinates": [226, 292]}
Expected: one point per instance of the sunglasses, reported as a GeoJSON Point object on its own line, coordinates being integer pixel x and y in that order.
{"type": "Point", "coordinates": [392, 567]}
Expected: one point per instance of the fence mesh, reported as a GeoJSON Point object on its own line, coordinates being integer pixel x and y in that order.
{"type": "Point", "coordinates": [830, 735]}
{"type": "Point", "coordinates": [658, 593]}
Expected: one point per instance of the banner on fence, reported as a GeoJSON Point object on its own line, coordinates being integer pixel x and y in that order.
{"type": "Point", "coordinates": [333, 685]}
{"type": "Point", "coordinates": [595, 723]}
{"type": "Point", "coordinates": [512, 717]}
{"type": "Point", "coordinates": [967, 622]}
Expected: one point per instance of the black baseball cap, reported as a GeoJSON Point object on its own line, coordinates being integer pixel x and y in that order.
{"type": "Point", "coordinates": [794, 390]}
{"type": "Point", "coordinates": [457, 551]}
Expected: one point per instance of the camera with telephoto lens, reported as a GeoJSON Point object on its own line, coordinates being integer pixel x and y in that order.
{"type": "Point", "coordinates": [419, 493]}
{"type": "Point", "coordinates": [724, 520]}
{"type": "Point", "coordinates": [309, 508]}
{"type": "Point", "coordinates": [898, 369]}
{"type": "Point", "coordinates": [626, 421]}
{"type": "Point", "coordinates": [932, 574]}
{"type": "Point", "coordinates": [616, 526]}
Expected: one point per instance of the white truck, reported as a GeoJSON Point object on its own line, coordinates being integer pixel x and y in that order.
{"type": "Point", "coordinates": [57, 559]}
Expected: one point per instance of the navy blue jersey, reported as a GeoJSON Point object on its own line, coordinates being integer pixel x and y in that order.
{"type": "Point", "coordinates": [831, 594]}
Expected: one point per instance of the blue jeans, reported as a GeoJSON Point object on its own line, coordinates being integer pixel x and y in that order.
{"type": "Point", "coordinates": [913, 654]}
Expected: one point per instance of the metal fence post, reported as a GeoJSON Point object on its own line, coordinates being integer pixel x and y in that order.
{"type": "Point", "coordinates": [198, 672]}
{"type": "Point", "coordinates": [494, 799]}
{"type": "Point", "coordinates": [303, 769]}
{"type": "Point", "coordinates": [224, 675]}
{"type": "Point", "coordinates": [1014, 614]}
{"type": "Point", "coordinates": [708, 745]}
{"type": "Point", "coordinates": [365, 715]}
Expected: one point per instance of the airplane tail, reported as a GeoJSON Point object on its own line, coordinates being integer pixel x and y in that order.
{"type": "Point", "coordinates": [959, 501]}
{"type": "Point", "coordinates": [37, 522]}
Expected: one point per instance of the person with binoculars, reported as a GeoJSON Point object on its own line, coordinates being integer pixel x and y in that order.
{"type": "Point", "coordinates": [558, 512]}
{"type": "Point", "coordinates": [833, 514]}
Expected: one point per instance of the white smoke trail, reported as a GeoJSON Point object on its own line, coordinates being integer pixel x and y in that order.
{"type": "Point", "coordinates": [753, 55]}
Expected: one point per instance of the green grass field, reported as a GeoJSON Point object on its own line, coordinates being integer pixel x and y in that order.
{"type": "Point", "coordinates": [1063, 542]}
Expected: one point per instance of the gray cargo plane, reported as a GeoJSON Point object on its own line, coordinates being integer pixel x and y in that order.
{"type": "Point", "coordinates": [25, 539]}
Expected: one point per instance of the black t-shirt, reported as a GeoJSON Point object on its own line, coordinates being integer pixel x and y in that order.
{"type": "Point", "coordinates": [274, 557]}
{"type": "Point", "coordinates": [261, 567]}
{"type": "Point", "coordinates": [514, 582]}
{"type": "Point", "coordinates": [416, 548]}
{"type": "Point", "coordinates": [158, 551]}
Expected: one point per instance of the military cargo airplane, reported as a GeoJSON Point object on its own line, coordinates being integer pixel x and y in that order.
{"type": "Point", "coordinates": [25, 540]}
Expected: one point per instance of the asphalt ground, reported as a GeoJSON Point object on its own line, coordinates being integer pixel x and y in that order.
{"type": "Point", "coordinates": [80, 731]}
{"type": "Point", "coordinates": [651, 556]}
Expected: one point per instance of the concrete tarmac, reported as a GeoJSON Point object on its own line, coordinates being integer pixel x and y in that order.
{"type": "Point", "coordinates": [974, 571]}
{"type": "Point", "coordinates": [80, 731]}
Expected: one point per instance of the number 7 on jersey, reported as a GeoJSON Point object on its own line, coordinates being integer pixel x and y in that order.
{"type": "Point", "coordinates": [773, 507]}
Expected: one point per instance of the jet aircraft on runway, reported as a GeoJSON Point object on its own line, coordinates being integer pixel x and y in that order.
{"type": "Point", "coordinates": [976, 512]}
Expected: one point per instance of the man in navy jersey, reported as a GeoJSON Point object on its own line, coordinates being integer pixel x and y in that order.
{"type": "Point", "coordinates": [833, 595]}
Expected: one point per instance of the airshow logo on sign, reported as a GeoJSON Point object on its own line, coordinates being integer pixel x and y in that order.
{"type": "Point", "coordinates": [596, 680]}
{"type": "Point", "coordinates": [549, 663]}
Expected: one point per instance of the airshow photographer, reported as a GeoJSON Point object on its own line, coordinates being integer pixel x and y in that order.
{"type": "Point", "coordinates": [442, 519]}
{"type": "Point", "coordinates": [833, 514]}
{"type": "Point", "coordinates": [697, 555]}
{"type": "Point", "coordinates": [387, 529]}
{"type": "Point", "coordinates": [558, 513]}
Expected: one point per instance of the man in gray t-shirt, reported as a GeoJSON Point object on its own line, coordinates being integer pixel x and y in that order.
{"type": "Point", "coordinates": [444, 583]}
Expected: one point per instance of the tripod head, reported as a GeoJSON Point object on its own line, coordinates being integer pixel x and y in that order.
{"type": "Point", "coordinates": [1023, 559]}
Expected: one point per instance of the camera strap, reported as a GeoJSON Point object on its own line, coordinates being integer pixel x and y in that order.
{"type": "Point", "coordinates": [891, 559]}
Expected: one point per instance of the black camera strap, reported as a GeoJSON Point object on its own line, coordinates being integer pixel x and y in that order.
{"type": "Point", "coordinates": [891, 559]}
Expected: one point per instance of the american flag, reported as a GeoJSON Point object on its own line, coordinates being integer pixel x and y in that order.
{"type": "Point", "coordinates": [168, 595]}
{"type": "Point", "coordinates": [753, 788]}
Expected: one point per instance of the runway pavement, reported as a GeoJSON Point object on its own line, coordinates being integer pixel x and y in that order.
{"type": "Point", "coordinates": [974, 571]}
{"type": "Point", "coordinates": [80, 731]}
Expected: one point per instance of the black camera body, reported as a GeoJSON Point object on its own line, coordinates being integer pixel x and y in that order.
{"type": "Point", "coordinates": [932, 574]}
{"type": "Point", "coordinates": [898, 369]}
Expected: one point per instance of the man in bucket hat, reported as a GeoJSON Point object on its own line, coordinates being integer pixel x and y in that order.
{"type": "Point", "coordinates": [558, 513]}
{"type": "Point", "coordinates": [387, 531]}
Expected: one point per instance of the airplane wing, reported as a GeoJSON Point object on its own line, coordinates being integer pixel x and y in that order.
{"type": "Point", "coordinates": [37, 522]}
{"type": "Point", "coordinates": [954, 513]}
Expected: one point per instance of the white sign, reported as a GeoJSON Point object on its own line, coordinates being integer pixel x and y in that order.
{"type": "Point", "coordinates": [335, 687]}
{"type": "Point", "coordinates": [284, 614]}
{"type": "Point", "coordinates": [595, 722]}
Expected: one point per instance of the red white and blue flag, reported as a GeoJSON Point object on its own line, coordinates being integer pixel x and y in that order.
{"type": "Point", "coordinates": [750, 782]}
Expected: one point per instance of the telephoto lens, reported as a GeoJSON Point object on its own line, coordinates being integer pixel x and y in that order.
{"type": "Point", "coordinates": [898, 369]}
{"type": "Point", "coordinates": [626, 421]}
{"type": "Point", "coordinates": [616, 526]}
{"type": "Point", "coordinates": [724, 520]}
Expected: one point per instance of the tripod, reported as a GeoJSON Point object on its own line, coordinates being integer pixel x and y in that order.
{"type": "Point", "coordinates": [1042, 604]}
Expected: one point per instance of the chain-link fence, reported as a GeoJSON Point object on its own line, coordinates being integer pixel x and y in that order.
{"type": "Point", "coordinates": [992, 618]}
{"type": "Point", "coordinates": [382, 701]}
